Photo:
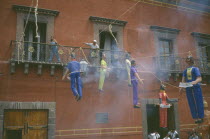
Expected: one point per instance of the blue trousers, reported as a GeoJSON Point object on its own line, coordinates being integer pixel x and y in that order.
{"type": "Point", "coordinates": [76, 84]}
{"type": "Point", "coordinates": [135, 92]}
{"type": "Point", "coordinates": [54, 51]}
{"type": "Point", "coordinates": [195, 101]}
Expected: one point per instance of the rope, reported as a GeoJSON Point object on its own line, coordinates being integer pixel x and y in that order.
{"type": "Point", "coordinates": [84, 55]}
{"type": "Point", "coordinates": [118, 18]}
{"type": "Point", "coordinates": [110, 30]}
{"type": "Point", "coordinates": [23, 34]}
{"type": "Point", "coordinates": [161, 80]}
{"type": "Point", "coordinates": [36, 13]}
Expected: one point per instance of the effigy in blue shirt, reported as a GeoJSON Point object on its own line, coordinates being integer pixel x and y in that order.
{"type": "Point", "coordinates": [191, 74]}
{"type": "Point", "coordinates": [132, 73]}
{"type": "Point", "coordinates": [73, 66]}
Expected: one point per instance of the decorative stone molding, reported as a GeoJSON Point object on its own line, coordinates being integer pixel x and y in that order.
{"type": "Point", "coordinates": [200, 35]}
{"type": "Point", "coordinates": [50, 106]}
{"type": "Point", "coordinates": [164, 29]}
{"type": "Point", "coordinates": [21, 8]}
{"type": "Point", "coordinates": [108, 21]}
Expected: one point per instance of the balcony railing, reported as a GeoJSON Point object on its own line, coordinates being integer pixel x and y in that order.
{"type": "Point", "coordinates": [33, 52]}
{"type": "Point", "coordinates": [171, 64]}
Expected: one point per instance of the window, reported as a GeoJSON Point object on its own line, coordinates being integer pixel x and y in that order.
{"type": "Point", "coordinates": [45, 21]}
{"type": "Point", "coordinates": [107, 42]}
{"type": "Point", "coordinates": [202, 42]}
{"type": "Point", "coordinates": [105, 39]}
{"type": "Point", "coordinates": [165, 45]}
{"type": "Point", "coordinates": [205, 52]}
{"type": "Point", "coordinates": [165, 51]}
{"type": "Point", "coordinates": [38, 52]}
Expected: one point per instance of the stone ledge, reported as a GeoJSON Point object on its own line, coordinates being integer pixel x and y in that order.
{"type": "Point", "coordinates": [200, 35]}
{"type": "Point", "coordinates": [107, 20]}
{"type": "Point", "coordinates": [164, 29]}
{"type": "Point", "coordinates": [21, 8]}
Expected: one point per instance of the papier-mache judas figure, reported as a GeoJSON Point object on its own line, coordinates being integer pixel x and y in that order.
{"type": "Point", "coordinates": [194, 95]}
{"type": "Point", "coordinates": [164, 105]}
{"type": "Point", "coordinates": [103, 70]}
{"type": "Point", "coordinates": [135, 79]}
{"type": "Point", "coordinates": [128, 67]}
{"type": "Point", "coordinates": [76, 84]}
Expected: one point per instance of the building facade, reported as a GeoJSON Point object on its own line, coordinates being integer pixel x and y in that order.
{"type": "Point", "coordinates": [36, 103]}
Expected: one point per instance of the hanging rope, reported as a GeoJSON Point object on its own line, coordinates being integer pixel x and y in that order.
{"type": "Point", "coordinates": [110, 30]}
{"type": "Point", "coordinates": [36, 13]}
{"type": "Point", "coordinates": [19, 43]}
{"type": "Point", "coordinates": [84, 55]}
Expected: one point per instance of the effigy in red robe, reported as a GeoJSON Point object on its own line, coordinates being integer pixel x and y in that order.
{"type": "Point", "coordinates": [163, 110]}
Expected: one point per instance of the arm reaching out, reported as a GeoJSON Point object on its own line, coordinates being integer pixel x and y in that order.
{"type": "Point", "coordinates": [137, 76]}
{"type": "Point", "coordinates": [198, 79]}
{"type": "Point", "coordinates": [67, 70]}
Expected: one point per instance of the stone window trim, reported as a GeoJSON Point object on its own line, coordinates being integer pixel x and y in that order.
{"type": "Point", "coordinates": [166, 33]}
{"type": "Point", "coordinates": [102, 24]}
{"type": "Point", "coordinates": [49, 19]}
{"type": "Point", "coordinates": [21, 8]}
{"type": "Point", "coordinates": [50, 106]}
{"type": "Point", "coordinates": [144, 103]}
{"type": "Point", "coordinates": [200, 38]}
{"type": "Point", "coordinates": [164, 29]}
{"type": "Point", "coordinates": [107, 21]}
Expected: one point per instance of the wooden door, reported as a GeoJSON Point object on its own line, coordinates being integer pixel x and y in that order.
{"type": "Point", "coordinates": [25, 124]}
{"type": "Point", "coordinates": [13, 124]}
{"type": "Point", "coordinates": [37, 124]}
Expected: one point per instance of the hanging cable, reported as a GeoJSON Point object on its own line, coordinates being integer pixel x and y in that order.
{"type": "Point", "coordinates": [19, 43]}
{"type": "Point", "coordinates": [36, 13]}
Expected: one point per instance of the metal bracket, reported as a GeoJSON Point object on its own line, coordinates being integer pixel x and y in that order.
{"type": "Point", "coordinates": [39, 72]}
{"type": "Point", "coordinates": [52, 71]}
{"type": "Point", "coordinates": [12, 67]}
{"type": "Point", "coordinates": [26, 68]}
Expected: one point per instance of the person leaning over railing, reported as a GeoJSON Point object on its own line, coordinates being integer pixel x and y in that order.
{"type": "Point", "coordinates": [94, 53]}
{"type": "Point", "coordinates": [53, 50]}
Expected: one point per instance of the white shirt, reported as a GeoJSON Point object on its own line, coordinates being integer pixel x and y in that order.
{"type": "Point", "coordinates": [173, 134]}
{"type": "Point", "coordinates": [92, 45]}
{"type": "Point", "coordinates": [167, 138]}
{"type": "Point", "coordinates": [154, 136]}
{"type": "Point", "coordinates": [128, 64]}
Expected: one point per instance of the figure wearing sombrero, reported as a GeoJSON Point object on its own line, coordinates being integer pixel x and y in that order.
{"type": "Point", "coordinates": [194, 94]}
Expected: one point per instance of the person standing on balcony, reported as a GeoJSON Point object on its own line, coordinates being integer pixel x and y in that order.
{"type": "Point", "coordinates": [192, 75]}
{"type": "Point", "coordinates": [128, 67]}
{"type": "Point", "coordinates": [134, 81]}
{"type": "Point", "coordinates": [76, 84]}
{"type": "Point", "coordinates": [94, 52]}
{"type": "Point", "coordinates": [103, 70]}
{"type": "Point", "coordinates": [53, 50]}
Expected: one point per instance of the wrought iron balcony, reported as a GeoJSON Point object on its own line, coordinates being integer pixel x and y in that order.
{"type": "Point", "coordinates": [171, 64]}
{"type": "Point", "coordinates": [41, 54]}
